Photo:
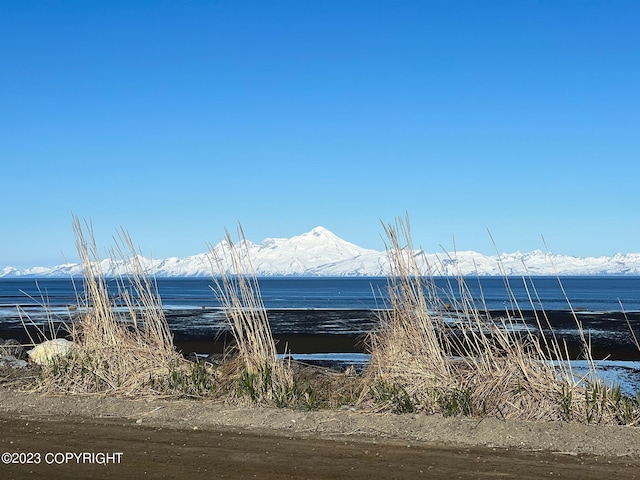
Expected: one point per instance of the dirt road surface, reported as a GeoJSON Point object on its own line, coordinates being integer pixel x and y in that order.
{"type": "Point", "coordinates": [191, 439]}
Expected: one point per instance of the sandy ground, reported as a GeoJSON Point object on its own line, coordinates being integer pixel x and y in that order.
{"type": "Point", "coordinates": [170, 438]}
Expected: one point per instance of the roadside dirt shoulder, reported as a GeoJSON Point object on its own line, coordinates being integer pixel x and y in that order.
{"type": "Point", "coordinates": [568, 438]}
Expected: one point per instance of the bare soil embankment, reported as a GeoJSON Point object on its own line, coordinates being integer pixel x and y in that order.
{"type": "Point", "coordinates": [169, 438]}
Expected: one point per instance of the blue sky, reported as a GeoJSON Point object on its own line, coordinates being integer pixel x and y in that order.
{"type": "Point", "coordinates": [176, 120]}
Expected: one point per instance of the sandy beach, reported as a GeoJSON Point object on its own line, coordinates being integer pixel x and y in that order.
{"type": "Point", "coordinates": [178, 438]}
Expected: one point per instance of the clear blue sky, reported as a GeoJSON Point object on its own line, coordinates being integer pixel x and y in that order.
{"type": "Point", "coordinates": [175, 120]}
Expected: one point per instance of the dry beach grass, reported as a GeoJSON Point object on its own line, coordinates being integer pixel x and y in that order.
{"type": "Point", "coordinates": [122, 342]}
{"type": "Point", "coordinates": [437, 351]}
{"type": "Point", "coordinates": [256, 370]}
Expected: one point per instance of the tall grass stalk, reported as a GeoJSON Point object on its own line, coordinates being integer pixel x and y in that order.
{"type": "Point", "coordinates": [260, 375]}
{"type": "Point", "coordinates": [55, 326]}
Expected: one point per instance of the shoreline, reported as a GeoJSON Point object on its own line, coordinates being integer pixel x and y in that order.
{"type": "Point", "coordinates": [339, 343]}
{"type": "Point", "coordinates": [617, 346]}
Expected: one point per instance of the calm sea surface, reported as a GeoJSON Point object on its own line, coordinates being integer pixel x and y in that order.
{"type": "Point", "coordinates": [597, 293]}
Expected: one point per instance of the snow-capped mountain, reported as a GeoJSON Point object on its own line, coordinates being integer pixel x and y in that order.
{"type": "Point", "coordinates": [321, 253]}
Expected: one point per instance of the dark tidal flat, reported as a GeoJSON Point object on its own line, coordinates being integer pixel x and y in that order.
{"type": "Point", "coordinates": [345, 331]}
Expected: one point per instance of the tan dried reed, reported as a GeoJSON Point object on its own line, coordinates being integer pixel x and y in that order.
{"type": "Point", "coordinates": [437, 351]}
{"type": "Point", "coordinates": [259, 374]}
{"type": "Point", "coordinates": [123, 344]}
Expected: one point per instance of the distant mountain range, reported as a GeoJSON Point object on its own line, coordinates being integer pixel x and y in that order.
{"type": "Point", "coordinates": [321, 253]}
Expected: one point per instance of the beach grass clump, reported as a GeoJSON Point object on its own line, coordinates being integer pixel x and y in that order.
{"type": "Point", "coordinates": [197, 379]}
{"type": "Point", "coordinates": [436, 350]}
{"type": "Point", "coordinates": [122, 342]}
{"type": "Point", "coordinates": [326, 388]}
{"type": "Point", "coordinates": [254, 372]}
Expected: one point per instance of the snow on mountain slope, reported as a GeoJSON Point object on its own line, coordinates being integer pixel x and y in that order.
{"type": "Point", "coordinates": [321, 253]}
{"type": "Point", "coordinates": [302, 254]}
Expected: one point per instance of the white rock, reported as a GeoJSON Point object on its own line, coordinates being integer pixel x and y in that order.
{"type": "Point", "coordinates": [47, 352]}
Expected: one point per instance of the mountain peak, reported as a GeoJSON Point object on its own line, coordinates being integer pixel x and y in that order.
{"type": "Point", "coordinates": [320, 241]}
{"type": "Point", "coordinates": [321, 231]}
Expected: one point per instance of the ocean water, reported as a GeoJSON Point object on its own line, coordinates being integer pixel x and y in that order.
{"type": "Point", "coordinates": [607, 306]}
{"type": "Point", "coordinates": [343, 305]}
